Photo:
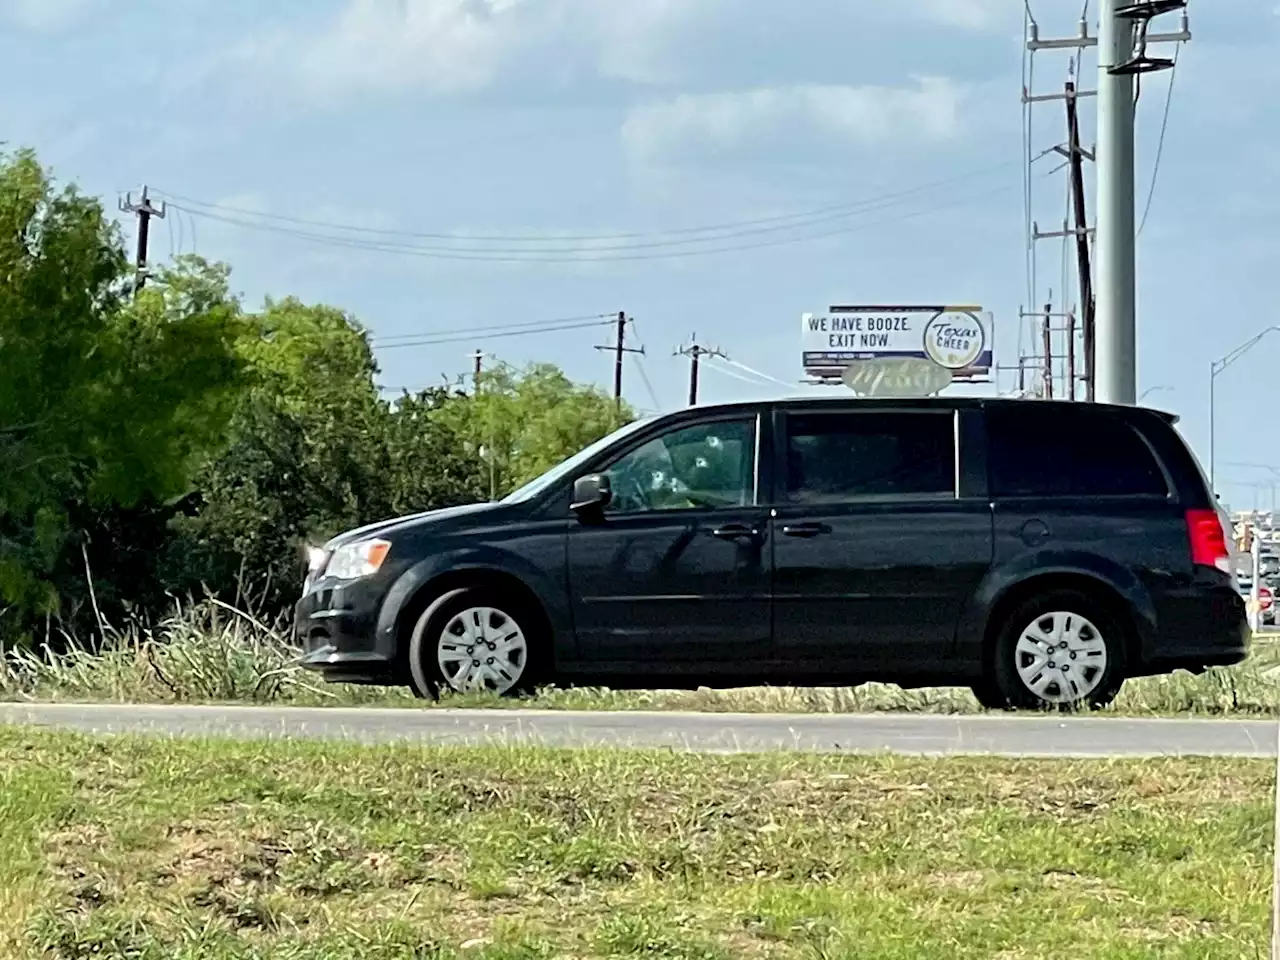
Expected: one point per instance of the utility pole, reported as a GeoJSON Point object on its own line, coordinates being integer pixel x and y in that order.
{"type": "Point", "coordinates": [1122, 54]}
{"type": "Point", "coordinates": [695, 351]}
{"type": "Point", "coordinates": [1108, 311]}
{"type": "Point", "coordinates": [1084, 268]}
{"type": "Point", "coordinates": [1071, 356]}
{"type": "Point", "coordinates": [1048, 351]}
{"type": "Point", "coordinates": [144, 211]}
{"type": "Point", "coordinates": [486, 453]}
{"type": "Point", "coordinates": [1117, 282]}
{"type": "Point", "coordinates": [619, 349]}
{"type": "Point", "coordinates": [617, 359]}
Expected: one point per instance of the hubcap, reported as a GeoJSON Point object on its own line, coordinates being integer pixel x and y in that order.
{"type": "Point", "coordinates": [1061, 657]}
{"type": "Point", "coordinates": [482, 650]}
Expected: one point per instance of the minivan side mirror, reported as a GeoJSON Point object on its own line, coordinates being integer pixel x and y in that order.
{"type": "Point", "coordinates": [591, 493]}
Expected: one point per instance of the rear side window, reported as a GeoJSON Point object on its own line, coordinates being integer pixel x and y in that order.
{"type": "Point", "coordinates": [1050, 452]}
{"type": "Point", "coordinates": [838, 457]}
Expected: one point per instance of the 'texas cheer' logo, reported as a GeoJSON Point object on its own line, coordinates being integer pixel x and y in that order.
{"type": "Point", "coordinates": [954, 340]}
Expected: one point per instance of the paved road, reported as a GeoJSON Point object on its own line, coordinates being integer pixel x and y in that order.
{"type": "Point", "coordinates": [711, 733]}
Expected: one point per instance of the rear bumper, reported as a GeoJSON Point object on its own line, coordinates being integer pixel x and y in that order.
{"type": "Point", "coordinates": [336, 627]}
{"type": "Point", "coordinates": [1204, 626]}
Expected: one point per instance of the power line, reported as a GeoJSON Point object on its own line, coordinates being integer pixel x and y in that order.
{"type": "Point", "coordinates": [1164, 129]}
{"type": "Point", "coordinates": [492, 334]}
{"type": "Point", "coordinates": [644, 374]}
{"type": "Point", "coordinates": [753, 371]}
{"type": "Point", "coordinates": [725, 372]}
{"type": "Point", "coordinates": [383, 341]}
{"type": "Point", "coordinates": [818, 215]}
{"type": "Point", "coordinates": [644, 377]}
{"type": "Point", "coordinates": [585, 256]}
{"type": "Point", "coordinates": [359, 242]}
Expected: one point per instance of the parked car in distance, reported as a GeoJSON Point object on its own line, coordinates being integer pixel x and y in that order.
{"type": "Point", "coordinates": [1038, 552]}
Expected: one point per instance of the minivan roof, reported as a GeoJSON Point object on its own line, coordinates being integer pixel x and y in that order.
{"type": "Point", "coordinates": [962, 403]}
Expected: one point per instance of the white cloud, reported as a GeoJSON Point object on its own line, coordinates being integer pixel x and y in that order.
{"type": "Point", "coordinates": [438, 45]}
{"type": "Point", "coordinates": [928, 110]}
{"type": "Point", "coordinates": [44, 16]}
{"type": "Point", "coordinates": [456, 46]}
{"type": "Point", "coordinates": [461, 46]}
{"type": "Point", "coordinates": [969, 14]}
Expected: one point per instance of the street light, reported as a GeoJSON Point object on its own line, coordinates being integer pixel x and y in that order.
{"type": "Point", "coordinates": [1150, 390]}
{"type": "Point", "coordinates": [1216, 367]}
{"type": "Point", "coordinates": [1275, 479]}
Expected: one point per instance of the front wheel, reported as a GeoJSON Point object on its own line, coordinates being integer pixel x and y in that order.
{"type": "Point", "coordinates": [473, 641]}
{"type": "Point", "coordinates": [1060, 650]}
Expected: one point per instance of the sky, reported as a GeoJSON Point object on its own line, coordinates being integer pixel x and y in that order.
{"type": "Point", "coordinates": [444, 167]}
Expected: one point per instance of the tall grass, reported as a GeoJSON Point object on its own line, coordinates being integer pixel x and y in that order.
{"type": "Point", "coordinates": [206, 651]}
{"type": "Point", "coordinates": [212, 652]}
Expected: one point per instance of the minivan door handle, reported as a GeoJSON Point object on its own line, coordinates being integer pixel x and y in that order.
{"type": "Point", "coordinates": [736, 531]}
{"type": "Point", "coordinates": [805, 530]}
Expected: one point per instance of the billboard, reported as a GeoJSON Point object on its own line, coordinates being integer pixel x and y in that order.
{"type": "Point", "coordinates": [958, 339]}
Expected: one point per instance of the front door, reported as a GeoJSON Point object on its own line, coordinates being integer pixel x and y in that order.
{"type": "Point", "coordinates": [875, 553]}
{"type": "Point", "coordinates": [677, 572]}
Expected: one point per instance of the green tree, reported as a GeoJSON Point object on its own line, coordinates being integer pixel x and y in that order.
{"type": "Point", "coordinates": [526, 421]}
{"type": "Point", "coordinates": [428, 462]}
{"type": "Point", "coordinates": [106, 403]}
{"type": "Point", "coordinates": [314, 450]}
{"type": "Point", "coordinates": [301, 461]}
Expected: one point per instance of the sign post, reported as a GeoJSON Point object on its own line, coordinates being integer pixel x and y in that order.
{"type": "Point", "coordinates": [902, 350]}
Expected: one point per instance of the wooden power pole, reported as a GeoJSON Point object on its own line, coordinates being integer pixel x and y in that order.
{"type": "Point", "coordinates": [1083, 265]}
{"type": "Point", "coordinates": [144, 210]}
{"type": "Point", "coordinates": [619, 349]}
{"type": "Point", "coordinates": [695, 352]}
{"type": "Point", "coordinates": [1047, 331]}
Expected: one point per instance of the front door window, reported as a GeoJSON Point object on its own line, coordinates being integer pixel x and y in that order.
{"type": "Point", "coordinates": [708, 466]}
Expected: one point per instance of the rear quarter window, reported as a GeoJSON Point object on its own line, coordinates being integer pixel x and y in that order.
{"type": "Point", "coordinates": [1050, 452]}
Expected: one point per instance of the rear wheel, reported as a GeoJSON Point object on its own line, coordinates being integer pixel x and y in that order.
{"type": "Point", "coordinates": [473, 640]}
{"type": "Point", "coordinates": [1060, 650]}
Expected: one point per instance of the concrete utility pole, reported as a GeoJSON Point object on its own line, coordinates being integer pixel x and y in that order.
{"type": "Point", "coordinates": [145, 211]}
{"type": "Point", "coordinates": [1122, 39]}
{"type": "Point", "coordinates": [1115, 323]}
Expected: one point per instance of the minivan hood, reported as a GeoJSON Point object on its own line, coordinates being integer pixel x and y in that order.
{"type": "Point", "coordinates": [413, 519]}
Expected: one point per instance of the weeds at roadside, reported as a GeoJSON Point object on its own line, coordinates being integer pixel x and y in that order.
{"type": "Point", "coordinates": [211, 652]}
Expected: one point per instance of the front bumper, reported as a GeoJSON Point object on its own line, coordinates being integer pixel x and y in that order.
{"type": "Point", "coordinates": [335, 624]}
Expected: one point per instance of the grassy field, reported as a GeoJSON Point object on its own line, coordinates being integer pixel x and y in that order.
{"type": "Point", "coordinates": [211, 654]}
{"type": "Point", "coordinates": [149, 849]}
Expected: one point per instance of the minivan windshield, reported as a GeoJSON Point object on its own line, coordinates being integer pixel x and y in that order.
{"type": "Point", "coordinates": [566, 467]}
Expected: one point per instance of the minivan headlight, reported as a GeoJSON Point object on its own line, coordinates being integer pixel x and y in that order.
{"type": "Point", "coordinates": [360, 559]}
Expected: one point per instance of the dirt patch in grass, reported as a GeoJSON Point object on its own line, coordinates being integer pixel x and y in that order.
{"type": "Point", "coordinates": [251, 851]}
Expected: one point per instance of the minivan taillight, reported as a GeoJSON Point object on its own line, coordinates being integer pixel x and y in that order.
{"type": "Point", "coordinates": [1208, 540]}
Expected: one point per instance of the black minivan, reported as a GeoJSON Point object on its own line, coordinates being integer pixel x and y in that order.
{"type": "Point", "coordinates": [1038, 552]}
